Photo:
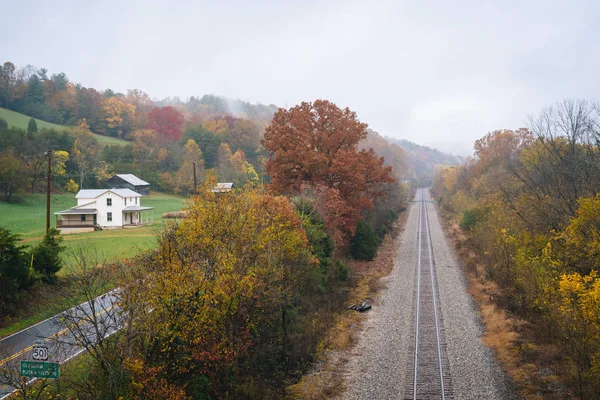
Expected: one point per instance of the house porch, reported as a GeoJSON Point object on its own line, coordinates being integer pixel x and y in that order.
{"type": "Point", "coordinates": [134, 216]}
{"type": "Point", "coordinates": [75, 223]}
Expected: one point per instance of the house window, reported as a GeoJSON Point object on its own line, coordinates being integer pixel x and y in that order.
{"type": "Point", "coordinates": [109, 217]}
{"type": "Point", "coordinates": [136, 200]}
{"type": "Point", "coordinates": [125, 200]}
{"type": "Point", "coordinates": [83, 217]}
{"type": "Point", "coordinates": [108, 202]}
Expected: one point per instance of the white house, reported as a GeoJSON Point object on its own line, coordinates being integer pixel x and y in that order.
{"type": "Point", "coordinates": [105, 209]}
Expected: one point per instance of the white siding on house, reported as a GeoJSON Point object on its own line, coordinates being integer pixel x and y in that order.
{"type": "Point", "coordinates": [96, 200]}
{"type": "Point", "coordinates": [81, 202]}
{"type": "Point", "coordinates": [116, 208]}
{"type": "Point", "coordinates": [101, 205]}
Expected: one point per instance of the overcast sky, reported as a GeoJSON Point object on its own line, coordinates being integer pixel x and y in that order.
{"type": "Point", "coordinates": [441, 73]}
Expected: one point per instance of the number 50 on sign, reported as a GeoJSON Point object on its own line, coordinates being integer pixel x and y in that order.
{"type": "Point", "coordinates": [40, 353]}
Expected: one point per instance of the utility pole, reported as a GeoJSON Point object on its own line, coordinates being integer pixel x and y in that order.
{"type": "Point", "coordinates": [48, 186]}
{"type": "Point", "coordinates": [194, 178]}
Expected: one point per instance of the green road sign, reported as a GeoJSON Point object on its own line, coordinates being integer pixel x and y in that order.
{"type": "Point", "coordinates": [40, 369]}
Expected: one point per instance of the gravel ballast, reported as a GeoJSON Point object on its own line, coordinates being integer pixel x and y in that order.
{"type": "Point", "coordinates": [381, 360]}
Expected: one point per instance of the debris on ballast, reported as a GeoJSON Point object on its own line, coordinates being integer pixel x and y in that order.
{"type": "Point", "coordinates": [360, 307]}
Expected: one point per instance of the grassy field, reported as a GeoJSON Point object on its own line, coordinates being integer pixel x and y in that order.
{"type": "Point", "coordinates": [18, 120]}
{"type": "Point", "coordinates": [27, 217]}
{"type": "Point", "coordinates": [110, 140]}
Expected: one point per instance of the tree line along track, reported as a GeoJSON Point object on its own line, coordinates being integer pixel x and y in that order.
{"type": "Point", "coordinates": [428, 375]}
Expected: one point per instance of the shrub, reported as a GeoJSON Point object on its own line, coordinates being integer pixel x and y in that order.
{"type": "Point", "coordinates": [321, 245]}
{"type": "Point", "coordinates": [72, 186]}
{"type": "Point", "coordinates": [342, 269]}
{"type": "Point", "coordinates": [386, 225]}
{"type": "Point", "coordinates": [471, 218]}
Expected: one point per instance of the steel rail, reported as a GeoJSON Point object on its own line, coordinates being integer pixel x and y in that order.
{"type": "Point", "coordinates": [424, 230]}
{"type": "Point", "coordinates": [416, 359]}
{"type": "Point", "coordinates": [437, 329]}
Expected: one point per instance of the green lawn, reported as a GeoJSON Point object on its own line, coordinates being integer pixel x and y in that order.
{"type": "Point", "coordinates": [27, 217]}
{"type": "Point", "coordinates": [116, 244]}
{"type": "Point", "coordinates": [19, 120]}
{"type": "Point", "coordinates": [110, 140]}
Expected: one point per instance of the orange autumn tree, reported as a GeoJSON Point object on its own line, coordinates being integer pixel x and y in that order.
{"type": "Point", "coordinates": [316, 144]}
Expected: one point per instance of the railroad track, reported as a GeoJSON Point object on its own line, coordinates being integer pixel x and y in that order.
{"type": "Point", "coordinates": [428, 375]}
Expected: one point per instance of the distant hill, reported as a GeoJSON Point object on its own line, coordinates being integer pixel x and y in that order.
{"type": "Point", "coordinates": [423, 159]}
{"type": "Point", "coordinates": [394, 155]}
{"type": "Point", "coordinates": [21, 121]}
{"type": "Point", "coordinates": [213, 105]}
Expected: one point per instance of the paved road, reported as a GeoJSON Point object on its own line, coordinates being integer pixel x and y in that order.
{"type": "Point", "coordinates": [383, 360]}
{"type": "Point", "coordinates": [59, 334]}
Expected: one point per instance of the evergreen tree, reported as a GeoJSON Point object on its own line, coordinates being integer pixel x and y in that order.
{"type": "Point", "coordinates": [13, 262]}
{"type": "Point", "coordinates": [35, 90]}
{"type": "Point", "coordinates": [3, 124]}
{"type": "Point", "coordinates": [46, 255]}
{"type": "Point", "coordinates": [364, 243]}
{"type": "Point", "coordinates": [15, 273]}
{"type": "Point", "coordinates": [32, 126]}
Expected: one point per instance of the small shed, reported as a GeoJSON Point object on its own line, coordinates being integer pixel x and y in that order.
{"type": "Point", "coordinates": [131, 182]}
{"type": "Point", "coordinates": [223, 187]}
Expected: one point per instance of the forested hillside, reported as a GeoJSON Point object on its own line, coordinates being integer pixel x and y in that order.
{"type": "Point", "coordinates": [54, 98]}
{"type": "Point", "coordinates": [163, 139]}
{"type": "Point", "coordinates": [530, 206]}
{"type": "Point", "coordinates": [423, 160]}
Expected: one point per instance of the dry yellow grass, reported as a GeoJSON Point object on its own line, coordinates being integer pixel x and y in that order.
{"type": "Point", "coordinates": [175, 215]}
{"type": "Point", "coordinates": [521, 357]}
